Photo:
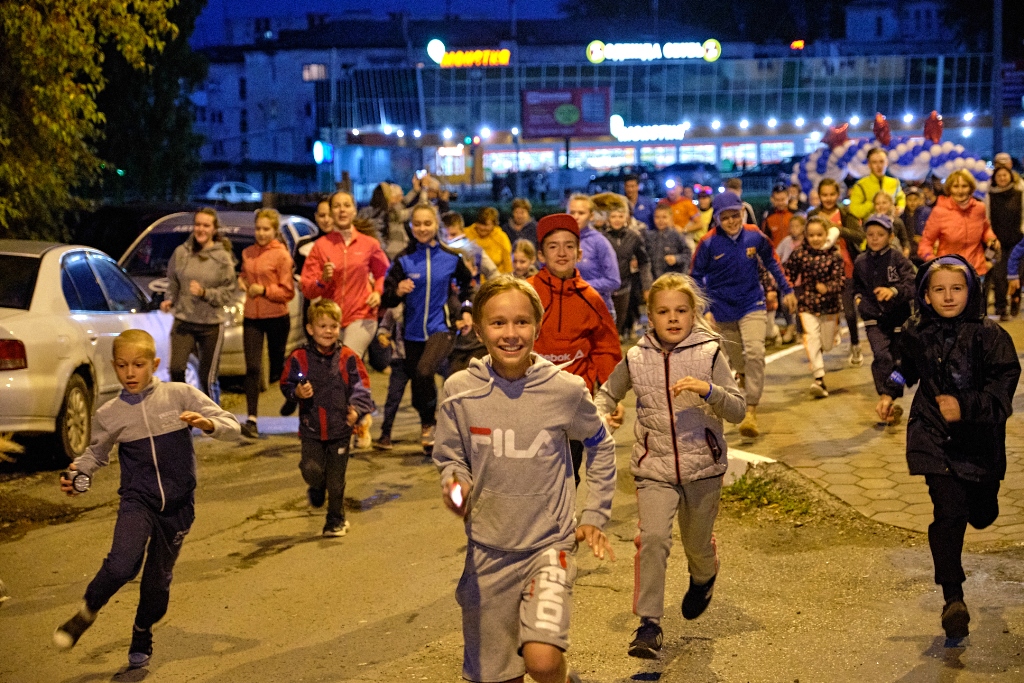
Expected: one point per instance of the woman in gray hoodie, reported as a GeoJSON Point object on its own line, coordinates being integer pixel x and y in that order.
{"type": "Point", "coordinates": [200, 283]}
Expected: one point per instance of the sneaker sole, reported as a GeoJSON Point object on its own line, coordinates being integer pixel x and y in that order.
{"type": "Point", "coordinates": [381, 447]}
{"type": "Point", "coordinates": [956, 625]}
{"type": "Point", "coordinates": [137, 660]}
{"type": "Point", "coordinates": [63, 640]}
{"type": "Point", "coordinates": [818, 391]}
{"type": "Point", "coordinates": [337, 534]}
{"type": "Point", "coordinates": [643, 652]}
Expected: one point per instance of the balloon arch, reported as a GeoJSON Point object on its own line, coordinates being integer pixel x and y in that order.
{"type": "Point", "coordinates": [909, 160]}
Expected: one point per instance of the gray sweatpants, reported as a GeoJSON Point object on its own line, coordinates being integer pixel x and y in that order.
{"type": "Point", "coordinates": [696, 505]}
{"type": "Point", "coordinates": [744, 345]}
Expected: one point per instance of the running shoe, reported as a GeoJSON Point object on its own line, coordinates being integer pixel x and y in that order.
{"type": "Point", "coordinates": [141, 648]}
{"type": "Point", "coordinates": [697, 598]}
{"type": "Point", "coordinates": [646, 640]}
{"type": "Point", "coordinates": [955, 618]}
{"type": "Point", "coordinates": [68, 633]}
{"type": "Point", "coordinates": [336, 529]}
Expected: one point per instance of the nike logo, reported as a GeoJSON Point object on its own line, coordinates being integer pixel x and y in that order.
{"type": "Point", "coordinates": [719, 256]}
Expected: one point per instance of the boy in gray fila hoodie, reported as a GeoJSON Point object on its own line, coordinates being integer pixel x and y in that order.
{"type": "Point", "coordinates": [502, 447]}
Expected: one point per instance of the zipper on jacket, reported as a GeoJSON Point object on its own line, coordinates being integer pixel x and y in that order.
{"type": "Point", "coordinates": [561, 287]}
{"type": "Point", "coordinates": [672, 419]}
{"type": "Point", "coordinates": [426, 305]}
{"type": "Point", "coordinates": [152, 448]}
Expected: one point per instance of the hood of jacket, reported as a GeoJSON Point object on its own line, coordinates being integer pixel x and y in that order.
{"type": "Point", "coordinates": [271, 246]}
{"type": "Point", "coordinates": [540, 371]}
{"type": "Point", "coordinates": [571, 285]}
{"type": "Point", "coordinates": [972, 311]}
{"type": "Point", "coordinates": [948, 204]}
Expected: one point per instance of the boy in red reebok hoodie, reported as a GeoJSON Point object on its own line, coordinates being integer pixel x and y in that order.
{"type": "Point", "coordinates": [577, 331]}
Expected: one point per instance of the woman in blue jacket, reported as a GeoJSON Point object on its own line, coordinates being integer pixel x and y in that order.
{"type": "Point", "coordinates": [422, 277]}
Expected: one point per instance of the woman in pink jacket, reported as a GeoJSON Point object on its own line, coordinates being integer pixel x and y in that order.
{"type": "Point", "coordinates": [958, 225]}
{"type": "Point", "coordinates": [267, 278]}
{"type": "Point", "coordinates": [348, 267]}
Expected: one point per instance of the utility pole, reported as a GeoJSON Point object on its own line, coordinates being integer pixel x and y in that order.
{"type": "Point", "coordinates": [997, 77]}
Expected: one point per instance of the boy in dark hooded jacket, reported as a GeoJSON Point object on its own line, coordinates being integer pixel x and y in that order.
{"type": "Point", "coordinates": [956, 434]}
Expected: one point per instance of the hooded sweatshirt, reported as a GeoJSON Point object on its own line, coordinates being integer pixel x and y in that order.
{"type": "Point", "coordinates": [270, 266]}
{"type": "Point", "coordinates": [598, 265]}
{"type": "Point", "coordinates": [213, 267]}
{"type": "Point", "coordinates": [577, 331]}
{"type": "Point", "coordinates": [678, 439]}
{"type": "Point", "coordinates": [958, 229]}
{"type": "Point", "coordinates": [158, 463]}
{"type": "Point", "coordinates": [510, 442]}
{"type": "Point", "coordinates": [496, 245]}
{"type": "Point", "coordinates": [970, 358]}
{"type": "Point", "coordinates": [359, 269]}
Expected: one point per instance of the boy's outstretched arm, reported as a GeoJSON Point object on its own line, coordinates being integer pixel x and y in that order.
{"type": "Point", "coordinates": [588, 427]}
{"type": "Point", "coordinates": [97, 455]}
{"type": "Point", "coordinates": [224, 425]}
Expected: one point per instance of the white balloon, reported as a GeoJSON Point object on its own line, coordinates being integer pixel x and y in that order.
{"type": "Point", "coordinates": [947, 146]}
{"type": "Point", "coordinates": [959, 163]}
{"type": "Point", "coordinates": [893, 156]}
{"type": "Point", "coordinates": [923, 158]}
{"type": "Point", "coordinates": [936, 150]}
{"type": "Point", "coordinates": [983, 186]}
{"type": "Point", "coordinates": [901, 149]}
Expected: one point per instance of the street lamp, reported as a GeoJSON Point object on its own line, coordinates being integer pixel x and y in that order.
{"type": "Point", "coordinates": [447, 134]}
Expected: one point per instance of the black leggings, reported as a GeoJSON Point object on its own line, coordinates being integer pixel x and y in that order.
{"type": "Point", "coordinates": [956, 503]}
{"type": "Point", "coordinates": [206, 340]}
{"type": "Point", "coordinates": [422, 361]}
{"type": "Point", "coordinates": [253, 331]}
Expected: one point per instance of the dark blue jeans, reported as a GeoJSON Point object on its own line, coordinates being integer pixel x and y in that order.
{"type": "Point", "coordinates": [396, 389]}
{"type": "Point", "coordinates": [141, 532]}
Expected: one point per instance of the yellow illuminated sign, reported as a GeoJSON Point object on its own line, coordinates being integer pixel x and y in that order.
{"type": "Point", "coordinates": [466, 58]}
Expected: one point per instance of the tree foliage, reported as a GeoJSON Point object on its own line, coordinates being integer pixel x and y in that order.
{"type": "Point", "coordinates": [148, 134]}
{"type": "Point", "coordinates": [51, 61]}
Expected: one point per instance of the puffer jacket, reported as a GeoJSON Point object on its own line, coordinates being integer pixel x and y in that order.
{"type": "Point", "coordinates": [970, 358]}
{"type": "Point", "coordinates": [679, 439]}
{"type": "Point", "coordinates": [958, 229]}
{"type": "Point", "coordinates": [213, 267]}
{"type": "Point", "coordinates": [270, 266]}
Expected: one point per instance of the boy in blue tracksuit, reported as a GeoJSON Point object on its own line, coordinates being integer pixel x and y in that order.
{"type": "Point", "coordinates": [725, 265]}
{"type": "Point", "coordinates": [330, 384]}
{"type": "Point", "coordinates": [151, 422]}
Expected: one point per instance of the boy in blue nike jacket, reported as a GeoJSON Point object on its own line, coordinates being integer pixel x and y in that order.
{"type": "Point", "coordinates": [725, 265]}
{"type": "Point", "coordinates": [151, 423]}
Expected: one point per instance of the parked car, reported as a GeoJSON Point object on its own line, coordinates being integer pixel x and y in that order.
{"type": "Point", "coordinates": [689, 173]}
{"type": "Point", "coordinates": [60, 308]}
{"type": "Point", "coordinates": [233, 192]}
{"type": "Point", "coordinates": [146, 260]}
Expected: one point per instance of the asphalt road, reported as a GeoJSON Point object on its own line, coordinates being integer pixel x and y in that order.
{"type": "Point", "coordinates": [258, 595]}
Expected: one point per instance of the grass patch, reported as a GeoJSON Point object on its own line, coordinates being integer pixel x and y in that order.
{"type": "Point", "coordinates": [757, 490]}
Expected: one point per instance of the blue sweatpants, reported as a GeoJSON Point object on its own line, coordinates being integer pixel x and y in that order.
{"type": "Point", "coordinates": [142, 533]}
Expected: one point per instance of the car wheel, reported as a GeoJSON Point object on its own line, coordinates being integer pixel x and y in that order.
{"type": "Point", "coordinates": [74, 421]}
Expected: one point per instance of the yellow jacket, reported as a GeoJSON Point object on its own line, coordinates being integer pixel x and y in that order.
{"type": "Point", "coordinates": [496, 245]}
{"type": "Point", "coordinates": [862, 195]}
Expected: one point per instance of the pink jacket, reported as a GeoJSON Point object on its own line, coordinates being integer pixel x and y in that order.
{"type": "Point", "coordinates": [963, 231]}
{"type": "Point", "coordinates": [270, 266]}
{"type": "Point", "coordinates": [359, 269]}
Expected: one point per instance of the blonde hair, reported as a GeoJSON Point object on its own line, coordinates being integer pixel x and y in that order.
{"type": "Point", "coordinates": [963, 174]}
{"type": "Point", "coordinates": [139, 339]}
{"type": "Point", "coordinates": [275, 218]}
{"type": "Point", "coordinates": [522, 203]}
{"type": "Point", "coordinates": [820, 220]}
{"type": "Point", "coordinates": [499, 285]}
{"type": "Point", "coordinates": [949, 268]}
{"type": "Point", "coordinates": [580, 197]}
{"type": "Point", "coordinates": [324, 308]}
{"type": "Point", "coordinates": [677, 282]}
{"type": "Point", "coordinates": [799, 218]}
{"type": "Point", "coordinates": [526, 248]}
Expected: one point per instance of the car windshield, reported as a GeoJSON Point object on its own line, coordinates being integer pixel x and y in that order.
{"type": "Point", "coordinates": [18, 280]}
{"type": "Point", "coordinates": [152, 254]}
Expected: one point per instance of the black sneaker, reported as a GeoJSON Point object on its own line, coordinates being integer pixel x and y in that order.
{"type": "Point", "coordinates": [249, 430]}
{"type": "Point", "coordinates": [697, 598]}
{"type": "Point", "coordinates": [68, 633]}
{"type": "Point", "coordinates": [288, 408]}
{"type": "Point", "coordinates": [955, 618]}
{"type": "Point", "coordinates": [141, 648]}
{"type": "Point", "coordinates": [316, 497]}
{"type": "Point", "coordinates": [383, 444]}
{"type": "Point", "coordinates": [336, 529]}
{"type": "Point", "coordinates": [646, 640]}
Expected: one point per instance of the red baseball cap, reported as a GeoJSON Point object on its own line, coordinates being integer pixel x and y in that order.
{"type": "Point", "coordinates": [556, 221]}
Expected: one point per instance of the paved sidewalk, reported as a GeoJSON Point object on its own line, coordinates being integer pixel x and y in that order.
{"type": "Point", "coordinates": [836, 443]}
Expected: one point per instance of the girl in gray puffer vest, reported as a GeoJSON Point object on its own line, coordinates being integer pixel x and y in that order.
{"type": "Point", "coordinates": [684, 389]}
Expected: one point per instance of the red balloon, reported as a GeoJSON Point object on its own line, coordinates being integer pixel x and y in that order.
{"type": "Point", "coordinates": [933, 128]}
{"type": "Point", "coordinates": [881, 129]}
{"type": "Point", "coordinates": [836, 135]}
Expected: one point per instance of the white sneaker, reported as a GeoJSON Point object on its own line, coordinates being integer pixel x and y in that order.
{"type": "Point", "coordinates": [856, 356]}
{"type": "Point", "coordinates": [818, 389]}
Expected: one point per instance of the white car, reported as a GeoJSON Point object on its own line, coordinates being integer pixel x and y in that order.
{"type": "Point", "coordinates": [146, 262]}
{"type": "Point", "coordinates": [60, 308]}
{"type": "Point", "coordinates": [234, 192]}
